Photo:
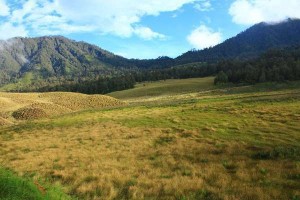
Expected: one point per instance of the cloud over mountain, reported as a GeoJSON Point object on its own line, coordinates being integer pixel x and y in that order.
{"type": "Point", "coordinates": [203, 37]}
{"type": "Point", "coordinates": [249, 12]}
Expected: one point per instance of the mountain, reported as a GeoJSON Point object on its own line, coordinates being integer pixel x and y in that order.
{"type": "Point", "coordinates": [58, 63]}
{"type": "Point", "coordinates": [56, 56]}
{"type": "Point", "coordinates": [250, 43]}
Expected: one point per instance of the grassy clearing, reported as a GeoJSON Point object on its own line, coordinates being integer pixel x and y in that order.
{"type": "Point", "coordinates": [21, 84]}
{"type": "Point", "coordinates": [236, 143]}
{"type": "Point", "coordinates": [165, 88]}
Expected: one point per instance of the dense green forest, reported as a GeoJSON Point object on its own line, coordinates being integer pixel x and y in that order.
{"type": "Point", "coordinates": [99, 86]}
{"type": "Point", "coordinates": [273, 66]}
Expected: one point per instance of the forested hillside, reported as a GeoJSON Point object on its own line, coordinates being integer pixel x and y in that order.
{"type": "Point", "coordinates": [51, 60]}
{"type": "Point", "coordinates": [59, 64]}
{"type": "Point", "coordinates": [250, 43]}
{"type": "Point", "coordinates": [274, 65]}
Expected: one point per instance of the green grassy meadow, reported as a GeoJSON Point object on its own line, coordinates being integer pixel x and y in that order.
{"type": "Point", "coordinates": [175, 139]}
{"type": "Point", "coordinates": [167, 87]}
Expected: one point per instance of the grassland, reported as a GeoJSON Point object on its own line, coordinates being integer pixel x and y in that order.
{"type": "Point", "coordinates": [215, 143]}
{"type": "Point", "coordinates": [168, 87]}
{"type": "Point", "coordinates": [28, 106]}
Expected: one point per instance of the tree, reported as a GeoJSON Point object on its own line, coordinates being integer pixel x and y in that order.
{"type": "Point", "coordinates": [221, 78]}
{"type": "Point", "coordinates": [262, 77]}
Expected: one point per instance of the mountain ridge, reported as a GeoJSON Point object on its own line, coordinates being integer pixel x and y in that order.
{"type": "Point", "coordinates": [49, 56]}
{"type": "Point", "coordinates": [249, 43]}
{"type": "Point", "coordinates": [57, 60]}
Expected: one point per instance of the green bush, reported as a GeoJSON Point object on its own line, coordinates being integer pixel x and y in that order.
{"type": "Point", "coordinates": [221, 78]}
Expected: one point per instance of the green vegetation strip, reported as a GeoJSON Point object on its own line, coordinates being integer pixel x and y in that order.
{"type": "Point", "coordinates": [13, 187]}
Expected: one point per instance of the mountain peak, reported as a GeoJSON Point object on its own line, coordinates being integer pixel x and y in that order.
{"type": "Point", "coordinates": [251, 42]}
{"type": "Point", "coordinates": [275, 23]}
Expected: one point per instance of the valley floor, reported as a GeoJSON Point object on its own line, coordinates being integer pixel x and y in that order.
{"type": "Point", "coordinates": [222, 143]}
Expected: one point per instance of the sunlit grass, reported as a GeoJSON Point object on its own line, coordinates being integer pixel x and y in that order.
{"type": "Point", "coordinates": [167, 87]}
{"type": "Point", "coordinates": [223, 145]}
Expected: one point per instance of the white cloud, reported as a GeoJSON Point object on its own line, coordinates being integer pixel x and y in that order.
{"type": "Point", "coordinates": [7, 30]}
{"type": "Point", "coordinates": [118, 17]}
{"type": "Point", "coordinates": [27, 8]}
{"type": "Point", "coordinates": [203, 5]}
{"type": "Point", "coordinates": [147, 34]}
{"type": "Point", "coordinates": [41, 18]}
{"type": "Point", "coordinates": [4, 9]}
{"type": "Point", "coordinates": [249, 12]}
{"type": "Point", "coordinates": [203, 37]}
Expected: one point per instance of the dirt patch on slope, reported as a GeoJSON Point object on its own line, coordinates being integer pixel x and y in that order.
{"type": "Point", "coordinates": [29, 113]}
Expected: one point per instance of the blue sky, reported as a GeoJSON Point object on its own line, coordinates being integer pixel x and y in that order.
{"type": "Point", "coordinates": [141, 28]}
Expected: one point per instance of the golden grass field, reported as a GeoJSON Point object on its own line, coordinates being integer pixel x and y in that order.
{"type": "Point", "coordinates": [234, 143]}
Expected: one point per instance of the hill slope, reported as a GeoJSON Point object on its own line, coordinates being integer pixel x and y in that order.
{"type": "Point", "coordinates": [18, 106]}
{"type": "Point", "coordinates": [56, 56]}
{"type": "Point", "coordinates": [165, 89]}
